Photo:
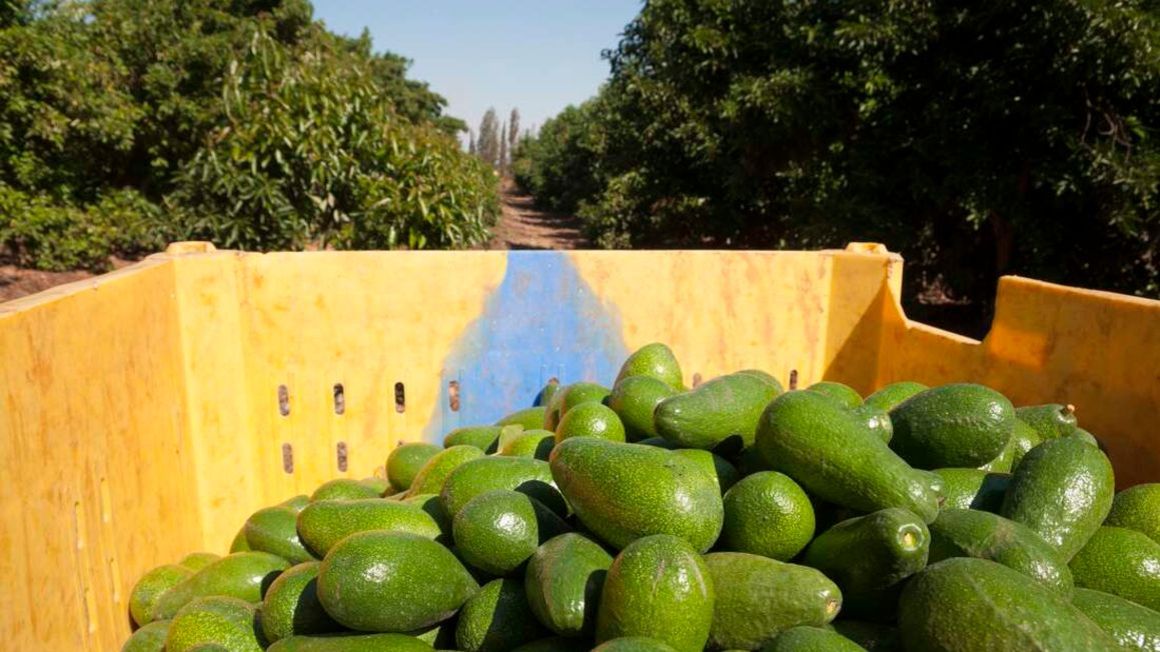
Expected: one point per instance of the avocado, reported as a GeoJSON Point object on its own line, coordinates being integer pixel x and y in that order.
{"type": "Point", "coordinates": [497, 531]}
{"type": "Point", "coordinates": [485, 438]}
{"type": "Point", "coordinates": [196, 561]}
{"type": "Point", "coordinates": [530, 418]}
{"type": "Point", "coordinates": [291, 605]}
{"type": "Point", "coordinates": [380, 486]}
{"type": "Point", "coordinates": [431, 504]}
{"type": "Point", "coordinates": [1062, 490]}
{"type": "Point", "coordinates": [976, 605]}
{"type": "Point", "coordinates": [568, 398]}
{"type": "Point", "coordinates": [404, 462]}
{"type": "Point", "coordinates": [1023, 439]}
{"type": "Point", "coordinates": [626, 491]}
{"type": "Point", "coordinates": [876, 421]}
{"type": "Point", "coordinates": [655, 361]}
{"type": "Point", "coordinates": [869, 557]}
{"type": "Point", "coordinates": [1122, 562]}
{"type": "Point", "coordinates": [150, 638]}
{"type": "Point", "coordinates": [497, 618]}
{"type": "Point", "coordinates": [757, 598]}
{"type": "Point", "coordinates": [430, 478]}
{"type": "Point", "coordinates": [243, 575]}
{"type": "Point", "coordinates": [555, 644]}
{"type": "Point", "coordinates": [1138, 508]}
{"type": "Point", "coordinates": [531, 443]}
{"type": "Point", "coordinates": [973, 489]}
{"type": "Point", "coordinates": [563, 583]}
{"type": "Point", "coordinates": [225, 621]}
{"type": "Point", "coordinates": [750, 461]}
{"type": "Point", "coordinates": [1051, 421]}
{"type": "Point", "coordinates": [660, 442]}
{"type": "Point", "coordinates": [971, 533]}
{"type": "Point", "coordinates": [722, 471]}
{"type": "Point", "coordinates": [151, 587]}
{"type": "Point", "coordinates": [825, 449]}
{"type": "Point", "coordinates": [526, 475]}
{"type": "Point", "coordinates": [239, 544]}
{"type": "Point", "coordinates": [658, 587]}
{"type": "Point", "coordinates": [634, 399]}
{"type": "Point", "coordinates": [343, 489]}
{"type": "Point", "coordinates": [382, 581]}
{"type": "Point", "coordinates": [590, 420]}
{"type": "Point", "coordinates": [1132, 626]}
{"type": "Point", "coordinates": [724, 410]}
{"type": "Point", "coordinates": [351, 642]}
{"type": "Point", "coordinates": [960, 425]}
{"type": "Point", "coordinates": [275, 530]}
{"type": "Point", "coordinates": [767, 514]}
{"type": "Point", "coordinates": [893, 394]}
{"type": "Point", "coordinates": [1086, 437]}
{"type": "Point", "coordinates": [633, 644]}
{"type": "Point", "coordinates": [544, 397]}
{"type": "Point", "coordinates": [812, 639]}
{"type": "Point", "coordinates": [326, 523]}
{"type": "Point", "coordinates": [845, 395]}
{"type": "Point", "coordinates": [874, 637]}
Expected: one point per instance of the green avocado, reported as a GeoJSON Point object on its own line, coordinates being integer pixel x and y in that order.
{"type": "Point", "coordinates": [655, 361]}
{"type": "Point", "coordinates": [634, 399]}
{"type": "Point", "coordinates": [530, 418]}
{"type": "Point", "coordinates": [623, 492]}
{"type": "Point", "coordinates": [497, 531]}
{"type": "Point", "coordinates": [343, 489]}
{"type": "Point", "coordinates": [243, 575]}
{"type": "Point", "coordinates": [874, 637]}
{"type": "Point", "coordinates": [150, 638]}
{"type": "Point", "coordinates": [1138, 508]}
{"type": "Point", "coordinates": [563, 581]}
{"type": "Point", "coordinates": [757, 598]}
{"type": "Point", "coordinates": [151, 587]}
{"type": "Point", "coordinates": [971, 533]}
{"type": "Point", "coordinates": [485, 438]}
{"type": "Point", "coordinates": [321, 525]}
{"type": "Point", "coordinates": [812, 639]}
{"type": "Point", "coordinates": [1122, 562]}
{"type": "Point", "coordinates": [1023, 439]}
{"type": "Point", "coordinates": [351, 642]}
{"type": "Point", "coordinates": [404, 462]}
{"type": "Point", "coordinates": [831, 454]}
{"type": "Point", "coordinates": [430, 478]}
{"type": "Point", "coordinates": [869, 557]}
{"type": "Point", "coordinates": [291, 605]}
{"type": "Point", "coordinates": [961, 425]}
{"type": "Point", "coordinates": [845, 395]}
{"type": "Point", "coordinates": [225, 621]}
{"type": "Point", "coordinates": [531, 443]}
{"type": "Point", "coordinates": [658, 587]}
{"type": "Point", "coordinates": [1132, 626]}
{"type": "Point", "coordinates": [893, 394]}
{"type": "Point", "coordinates": [590, 420]}
{"type": "Point", "coordinates": [767, 514]}
{"type": "Point", "coordinates": [497, 618]}
{"type": "Point", "coordinates": [633, 644]}
{"type": "Point", "coordinates": [275, 530]}
{"type": "Point", "coordinates": [523, 474]}
{"type": "Point", "coordinates": [723, 411]}
{"type": "Point", "coordinates": [722, 471]}
{"type": "Point", "coordinates": [381, 581]}
{"type": "Point", "coordinates": [1062, 490]}
{"type": "Point", "coordinates": [1051, 421]}
{"type": "Point", "coordinates": [976, 605]}
{"type": "Point", "coordinates": [973, 489]}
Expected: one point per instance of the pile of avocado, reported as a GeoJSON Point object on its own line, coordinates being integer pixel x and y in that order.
{"type": "Point", "coordinates": [730, 516]}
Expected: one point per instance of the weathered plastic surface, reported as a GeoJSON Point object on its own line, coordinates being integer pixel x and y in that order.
{"type": "Point", "coordinates": [141, 415]}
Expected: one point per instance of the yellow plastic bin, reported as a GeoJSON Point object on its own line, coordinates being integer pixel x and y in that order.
{"type": "Point", "coordinates": [146, 413]}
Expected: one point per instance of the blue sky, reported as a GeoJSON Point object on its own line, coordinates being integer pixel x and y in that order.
{"type": "Point", "coordinates": [537, 55]}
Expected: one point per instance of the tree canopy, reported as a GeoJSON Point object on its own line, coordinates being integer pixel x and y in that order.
{"type": "Point", "coordinates": [976, 139]}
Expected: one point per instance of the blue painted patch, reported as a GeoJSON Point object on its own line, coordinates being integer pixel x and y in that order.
{"type": "Point", "coordinates": [542, 322]}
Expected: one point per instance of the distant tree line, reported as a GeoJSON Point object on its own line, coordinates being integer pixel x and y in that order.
{"type": "Point", "coordinates": [975, 139]}
{"type": "Point", "coordinates": [126, 123]}
{"type": "Point", "coordinates": [496, 142]}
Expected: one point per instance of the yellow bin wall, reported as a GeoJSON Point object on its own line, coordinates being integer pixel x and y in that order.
{"type": "Point", "coordinates": [140, 417]}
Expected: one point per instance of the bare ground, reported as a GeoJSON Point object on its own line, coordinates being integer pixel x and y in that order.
{"type": "Point", "coordinates": [16, 282]}
{"type": "Point", "coordinates": [523, 226]}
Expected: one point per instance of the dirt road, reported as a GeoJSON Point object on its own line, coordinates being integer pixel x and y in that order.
{"type": "Point", "coordinates": [522, 226]}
